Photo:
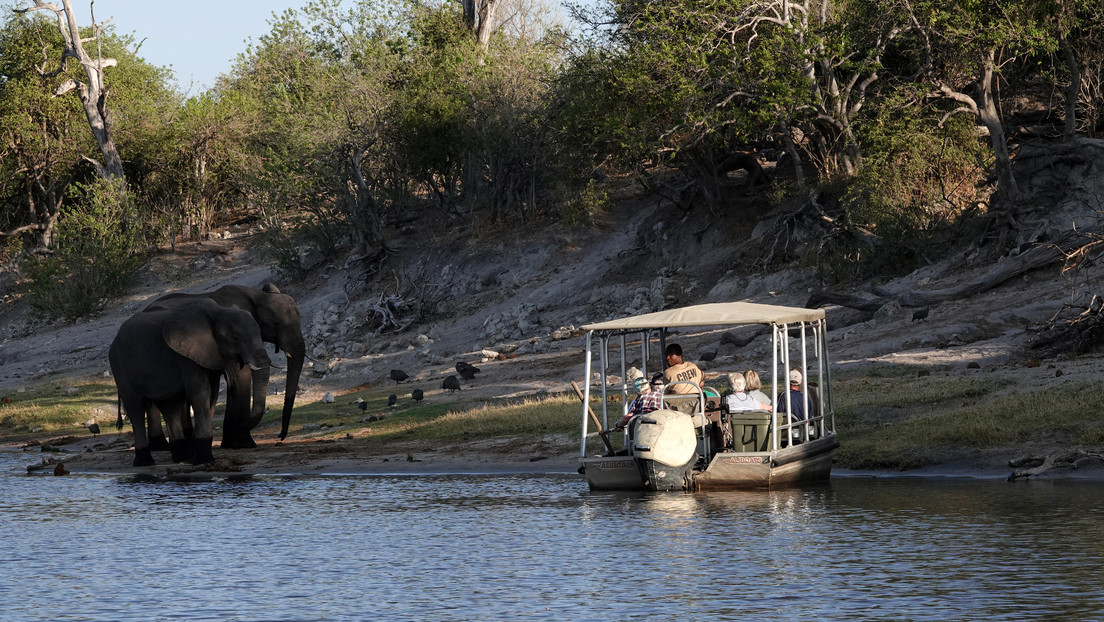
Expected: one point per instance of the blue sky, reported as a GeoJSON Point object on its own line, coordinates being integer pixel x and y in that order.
{"type": "Point", "coordinates": [198, 38]}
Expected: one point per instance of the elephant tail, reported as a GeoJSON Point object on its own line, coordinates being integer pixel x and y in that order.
{"type": "Point", "coordinates": [119, 417]}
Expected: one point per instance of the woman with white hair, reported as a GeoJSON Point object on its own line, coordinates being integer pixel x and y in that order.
{"type": "Point", "coordinates": [739, 400]}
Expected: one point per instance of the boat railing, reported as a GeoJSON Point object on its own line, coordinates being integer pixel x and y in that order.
{"type": "Point", "coordinates": [681, 401]}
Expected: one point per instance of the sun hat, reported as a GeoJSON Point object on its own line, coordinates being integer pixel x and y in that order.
{"type": "Point", "coordinates": [795, 377]}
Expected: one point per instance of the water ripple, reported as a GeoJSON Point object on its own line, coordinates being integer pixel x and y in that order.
{"type": "Point", "coordinates": [505, 547]}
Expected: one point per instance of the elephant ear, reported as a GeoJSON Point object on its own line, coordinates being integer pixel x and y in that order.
{"type": "Point", "coordinates": [188, 332]}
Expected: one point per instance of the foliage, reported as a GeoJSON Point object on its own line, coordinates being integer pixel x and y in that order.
{"type": "Point", "coordinates": [97, 250]}
{"type": "Point", "coordinates": [584, 208]}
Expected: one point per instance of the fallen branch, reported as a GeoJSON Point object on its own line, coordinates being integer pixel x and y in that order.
{"type": "Point", "coordinates": [1041, 464]}
{"type": "Point", "coordinates": [1072, 248]}
{"type": "Point", "coordinates": [1079, 334]}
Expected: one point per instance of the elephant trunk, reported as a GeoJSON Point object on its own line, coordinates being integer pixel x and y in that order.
{"type": "Point", "coordinates": [260, 391]}
{"type": "Point", "coordinates": [295, 358]}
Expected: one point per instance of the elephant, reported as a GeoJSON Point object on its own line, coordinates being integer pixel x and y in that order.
{"type": "Point", "coordinates": [278, 318]}
{"type": "Point", "coordinates": [173, 358]}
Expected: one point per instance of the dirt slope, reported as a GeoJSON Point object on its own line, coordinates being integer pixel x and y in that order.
{"type": "Point", "coordinates": [524, 297]}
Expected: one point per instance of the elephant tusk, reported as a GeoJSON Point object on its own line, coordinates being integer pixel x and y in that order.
{"type": "Point", "coordinates": [255, 367]}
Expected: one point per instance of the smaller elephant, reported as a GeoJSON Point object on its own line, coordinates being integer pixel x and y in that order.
{"type": "Point", "coordinates": [172, 359]}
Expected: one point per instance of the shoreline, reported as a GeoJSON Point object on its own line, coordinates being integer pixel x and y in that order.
{"type": "Point", "coordinates": [330, 458]}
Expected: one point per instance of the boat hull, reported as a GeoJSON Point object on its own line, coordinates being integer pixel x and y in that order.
{"type": "Point", "coordinates": [805, 463]}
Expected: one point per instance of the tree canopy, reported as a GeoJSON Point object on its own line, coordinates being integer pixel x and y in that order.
{"type": "Point", "coordinates": [346, 121]}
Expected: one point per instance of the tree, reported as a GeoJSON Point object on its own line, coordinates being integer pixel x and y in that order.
{"type": "Point", "coordinates": [479, 16]}
{"type": "Point", "coordinates": [93, 92]}
{"type": "Point", "coordinates": [962, 48]}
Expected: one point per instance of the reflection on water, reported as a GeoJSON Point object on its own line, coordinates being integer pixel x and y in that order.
{"type": "Point", "coordinates": [541, 546]}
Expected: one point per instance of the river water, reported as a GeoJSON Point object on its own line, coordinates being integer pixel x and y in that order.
{"type": "Point", "coordinates": [541, 546]}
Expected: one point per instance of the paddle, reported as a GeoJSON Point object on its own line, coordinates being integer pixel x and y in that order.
{"type": "Point", "coordinates": [593, 417]}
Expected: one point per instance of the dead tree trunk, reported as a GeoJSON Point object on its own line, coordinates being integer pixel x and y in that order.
{"type": "Point", "coordinates": [1036, 465]}
{"type": "Point", "coordinates": [93, 93]}
{"type": "Point", "coordinates": [479, 17]}
{"type": "Point", "coordinates": [1072, 247]}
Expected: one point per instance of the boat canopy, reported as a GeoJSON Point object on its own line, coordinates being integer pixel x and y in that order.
{"type": "Point", "coordinates": [714, 314]}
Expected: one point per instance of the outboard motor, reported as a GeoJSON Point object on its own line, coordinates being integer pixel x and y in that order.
{"type": "Point", "coordinates": [665, 449]}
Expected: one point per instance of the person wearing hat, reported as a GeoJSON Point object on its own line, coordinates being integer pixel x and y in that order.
{"type": "Point", "coordinates": [796, 402]}
{"type": "Point", "coordinates": [651, 398]}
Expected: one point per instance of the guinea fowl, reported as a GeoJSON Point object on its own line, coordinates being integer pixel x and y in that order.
{"type": "Point", "coordinates": [451, 383]}
{"type": "Point", "coordinates": [398, 375]}
{"type": "Point", "coordinates": [467, 371]}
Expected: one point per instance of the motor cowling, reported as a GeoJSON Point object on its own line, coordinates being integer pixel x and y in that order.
{"type": "Point", "coordinates": [666, 437]}
{"type": "Point", "coordinates": [665, 449]}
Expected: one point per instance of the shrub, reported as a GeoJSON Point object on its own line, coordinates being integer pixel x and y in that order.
{"type": "Point", "coordinates": [95, 252]}
{"type": "Point", "coordinates": [585, 208]}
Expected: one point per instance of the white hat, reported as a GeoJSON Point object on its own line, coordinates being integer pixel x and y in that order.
{"type": "Point", "coordinates": [795, 377]}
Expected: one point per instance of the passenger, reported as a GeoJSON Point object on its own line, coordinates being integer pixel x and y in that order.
{"type": "Point", "coordinates": [797, 402]}
{"type": "Point", "coordinates": [739, 399]}
{"type": "Point", "coordinates": [679, 370]}
{"type": "Point", "coordinates": [755, 386]}
{"type": "Point", "coordinates": [650, 399]}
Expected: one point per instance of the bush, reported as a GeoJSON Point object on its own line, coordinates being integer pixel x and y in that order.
{"type": "Point", "coordinates": [95, 252]}
{"type": "Point", "coordinates": [584, 209]}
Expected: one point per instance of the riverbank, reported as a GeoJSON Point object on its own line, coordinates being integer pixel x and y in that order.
{"type": "Point", "coordinates": [958, 390]}
{"type": "Point", "coordinates": [112, 453]}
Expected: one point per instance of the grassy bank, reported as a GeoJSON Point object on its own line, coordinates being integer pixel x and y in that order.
{"type": "Point", "coordinates": [889, 417]}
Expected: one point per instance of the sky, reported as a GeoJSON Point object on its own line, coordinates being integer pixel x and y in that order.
{"type": "Point", "coordinates": [199, 38]}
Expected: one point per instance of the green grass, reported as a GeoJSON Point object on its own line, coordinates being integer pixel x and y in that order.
{"type": "Point", "coordinates": [901, 421]}
{"type": "Point", "coordinates": [61, 408]}
{"type": "Point", "coordinates": [453, 421]}
{"type": "Point", "coordinates": [887, 417]}
{"type": "Point", "coordinates": [58, 408]}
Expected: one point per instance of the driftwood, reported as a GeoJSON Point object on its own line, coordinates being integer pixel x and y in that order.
{"type": "Point", "coordinates": [1036, 464]}
{"type": "Point", "coordinates": [1078, 334]}
{"type": "Point", "coordinates": [1072, 248]}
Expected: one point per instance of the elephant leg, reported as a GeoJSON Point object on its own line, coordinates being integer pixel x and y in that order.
{"type": "Point", "coordinates": [157, 440]}
{"type": "Point", "coordinates": [201, 451]}
{"type": "Point", "coordinates": [176, 412]}
{"type": "Point", "coordinates": [236, 429]}
{"type": "Point", "coordinates": [202, 399]}
{"type": "Point", "coordinates": [136, 408]}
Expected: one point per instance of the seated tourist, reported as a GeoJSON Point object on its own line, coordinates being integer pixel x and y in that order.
{"type": "Point", "coordinates": [739, 400]}
{"type": "Point", "coordinates": [755, 387]}
{"type": "Point", "coordinates": [651, 398]}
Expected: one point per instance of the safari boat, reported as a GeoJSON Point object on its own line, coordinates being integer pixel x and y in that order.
{"type": "Point", "coordinates": [693, 442]}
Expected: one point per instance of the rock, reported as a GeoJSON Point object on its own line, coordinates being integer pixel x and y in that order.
{"type": "Point", "coordinates": [328, 398]}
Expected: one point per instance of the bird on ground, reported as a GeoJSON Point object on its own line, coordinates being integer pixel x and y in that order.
{"type": "Point", "coordinates": [920, 314]}
{"type": "Point", "coordinates": [417, 394]}
{"type": "Point", "coordinates": [94, 428]}
{"type": "Point", "coordinates": [361, 404]}
{"type": "Point", "coordinates": [467, 371]}
{"type": "Point", "coordinates": [391, 399]}
{"type": "Point", "coordinates": [451, 383]}
{"type": "Point", "coordinates": [398, 375]}
{"type": "Point", "coordinates": [707, 355]}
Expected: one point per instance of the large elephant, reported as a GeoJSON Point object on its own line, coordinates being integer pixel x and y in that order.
{"type": "Point", "coordinates": [278, 317]}
{"type": "Point", "coordinates": [172, 359]}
